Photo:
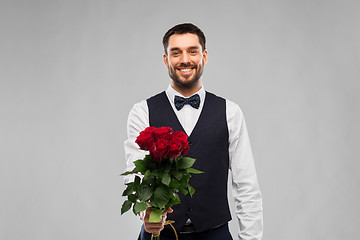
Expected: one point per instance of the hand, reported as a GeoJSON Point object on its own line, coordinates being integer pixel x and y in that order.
{"type": "Point", "coordinates": [155, 227]}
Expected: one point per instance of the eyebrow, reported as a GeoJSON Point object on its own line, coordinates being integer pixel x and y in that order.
{"type": "Point", "coordinates": [178, 49]}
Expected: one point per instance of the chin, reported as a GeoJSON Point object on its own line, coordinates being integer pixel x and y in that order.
{"type": "Point", "coordinates": [186, 84]}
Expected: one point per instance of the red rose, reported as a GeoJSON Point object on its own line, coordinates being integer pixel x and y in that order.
{"type": "Point", "coordinates": [145, 140]}
{"type": "Point", "coordinates": [159, 150]}
{"type": "Point", "coordinates": [185, 149]}
{"type": "Point", "coordinates": [182, 138]}
{"type": "Point", "coordinates": [150, 129]}
{"type": "Point", "coordinates": [162, 132]}
{"type": "Point", "coordinates": [163, 142]}
{"type": "Point", "coordinates": [175, 148]}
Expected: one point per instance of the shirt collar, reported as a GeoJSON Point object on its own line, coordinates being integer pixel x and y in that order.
{"type": "Point", "coordinates": [170, 92]}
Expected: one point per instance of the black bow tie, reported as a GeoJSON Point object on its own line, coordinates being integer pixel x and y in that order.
{"type": "Point", "coordinates": [193, 101]}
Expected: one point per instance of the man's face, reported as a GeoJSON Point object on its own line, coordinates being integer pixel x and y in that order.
{"type": "Point", "coordinates": [185, 59]}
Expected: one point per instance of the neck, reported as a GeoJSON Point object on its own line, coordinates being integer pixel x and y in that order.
{"type": "Point", "coordinates": [187, 92]}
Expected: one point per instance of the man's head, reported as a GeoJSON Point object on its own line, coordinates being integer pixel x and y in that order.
{"type": "Point", "coordinates": [185, 56]}
{"type": "Point", "coordinates": [182, 29]}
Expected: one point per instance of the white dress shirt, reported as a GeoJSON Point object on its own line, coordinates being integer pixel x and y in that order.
{"type": "Point", "coordinates": [246, 192]}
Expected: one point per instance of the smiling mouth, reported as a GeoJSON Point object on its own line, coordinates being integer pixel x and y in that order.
{"type": "Point", "coordinates": [185, 70]}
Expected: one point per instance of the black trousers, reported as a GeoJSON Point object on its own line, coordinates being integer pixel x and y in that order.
{"type": "Point", "coordinates": [220, 233]}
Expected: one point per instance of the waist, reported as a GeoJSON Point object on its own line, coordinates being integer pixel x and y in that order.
{"type": "Point", "coordinates": [190, 228]}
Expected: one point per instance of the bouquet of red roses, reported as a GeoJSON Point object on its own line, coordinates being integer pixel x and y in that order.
{"type": "Point", "coordinates": [165, 172]}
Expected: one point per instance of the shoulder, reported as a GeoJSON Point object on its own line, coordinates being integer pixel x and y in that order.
{"type": "Point", "coordinates": [233, 108]}
{"type": "Point", "coordinates": [235, 119]}
{"type": "Point", "coordinates": [215, 101]}
{"type": "Point", "coordinates": [139, 109]}
{"type": "Point", "coordinates": [234, 113]}
{"type": "Point", "coordinates": [157, 97]}
{"type": "Point", "coordinates": [214, 96]}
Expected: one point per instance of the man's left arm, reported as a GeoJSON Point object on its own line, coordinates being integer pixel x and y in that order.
{"type": "Point", "coordinates": [246, 192]}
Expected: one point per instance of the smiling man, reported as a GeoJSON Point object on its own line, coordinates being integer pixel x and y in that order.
{"type": "Point", "coordinates": [185, 58]}
{"type": "Point", "coordinates": [218, 139]}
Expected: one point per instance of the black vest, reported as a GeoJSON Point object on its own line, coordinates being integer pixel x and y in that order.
{"type": "Point", "coordinates": [209, 145]}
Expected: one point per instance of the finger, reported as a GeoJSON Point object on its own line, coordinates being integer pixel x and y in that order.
{"type": "Point", "coordinates": [153, 230]}
{"type": "Point", "coordinates": [162, 222]}
{"type": "Point", "coordinates": [169, 210]}
{"type": "Point", "coordinates": [154, 227]}
{"type": "Point", "coordinates": [147, 213]}
{"type": "Point", "coordinates": [156, 224]}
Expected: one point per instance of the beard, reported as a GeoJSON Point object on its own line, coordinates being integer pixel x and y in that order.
{"type": "Point", "coordinates": [188, 83]}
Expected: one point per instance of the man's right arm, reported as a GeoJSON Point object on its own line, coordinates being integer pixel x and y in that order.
{"type": "Point", "coordinates": [138, 120]}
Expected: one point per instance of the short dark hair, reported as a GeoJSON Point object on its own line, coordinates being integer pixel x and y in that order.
{"type": "Point", "coordinates": [182, 29]}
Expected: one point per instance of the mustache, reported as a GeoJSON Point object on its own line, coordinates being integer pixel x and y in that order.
{"type": "Point", "coordinates": [184, 65]}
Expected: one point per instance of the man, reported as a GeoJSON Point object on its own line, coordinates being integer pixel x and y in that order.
{"type": "Point", "coordinates": [218, 139]}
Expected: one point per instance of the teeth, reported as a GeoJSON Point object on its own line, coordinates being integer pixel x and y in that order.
{"type": "Point", "coordinates": [186, 70]}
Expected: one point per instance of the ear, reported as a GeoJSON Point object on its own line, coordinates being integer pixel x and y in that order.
{"type": "Point", "coordinates": [165, 59]}
{"type": "Point", "coordinates": [205, 56]}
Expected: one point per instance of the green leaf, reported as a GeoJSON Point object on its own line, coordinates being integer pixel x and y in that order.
{"type": "Point", "coordinates": [170, 203]}
{"type": "Point", "coordinates": [185, 162]}
{"type": "Point", "coordinates": [129, 183]}
{"type": "Point", "coordinates": [149, 163]}
{"type": "Point", "coordinates": [161, 195]}
{"type": "Point", "coordinates": [136, 182]}
{"type": "Point", "coordinates": [178, 174]}
{"type": "Point", "coordinates": [173, 201]}
{"type": "Point", "coordinates": [156, 173]}
{"type": "Point", "coordinates": [140, 165]}
{"type": "Point", "coordinates": [132, 198]}
{"type": "Point", "coordinates": [135, 170]}
{"type": "Point", "coordinates": [145, 192]}
{"type": "Point", "coordinates": [166, 166]}
{"type": "Point", "coordinates": [165, 179]}
{"type": "Point", "coordinates": [194, 171]}
{"type": "Point", "coordinates": [191, 190]}
{"type": "Point", "coordinates": [149, 180]}
{"type": "Point", "coordinates": [184, 191]}
{"type": "Point", "coordinates": [184, 180]}
{"type": "Point", "coordinates": [177, 198]}
{"type": "Point", "coordinates": [147, 173]}
{"type": "Point", "coordinates": [174, 184]}
{"type": "Point", "coordinates": [155, 216]}
{"type": "Point", "coordinates": [129, 190]}
{"type": "Point", "coordinates": [153, 204]}
{"type": "Point", "coordinates": [126, 173]}
{"type": "Point", "coordinates": [126, 206]}
{"type": "Point", "coordinates": [139, 207]}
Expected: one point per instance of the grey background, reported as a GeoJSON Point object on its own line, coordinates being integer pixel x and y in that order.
{"type": "Point", "coordinates": [70, 71]}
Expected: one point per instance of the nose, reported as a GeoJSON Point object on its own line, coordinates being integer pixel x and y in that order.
{"type": "Point", "coordinates": [185, 58]}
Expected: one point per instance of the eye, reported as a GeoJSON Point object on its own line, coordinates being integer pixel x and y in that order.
{"type": "Point", "coordinates": [175, 53]}
{"type": "Point", "coordinates": [193, 52]}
